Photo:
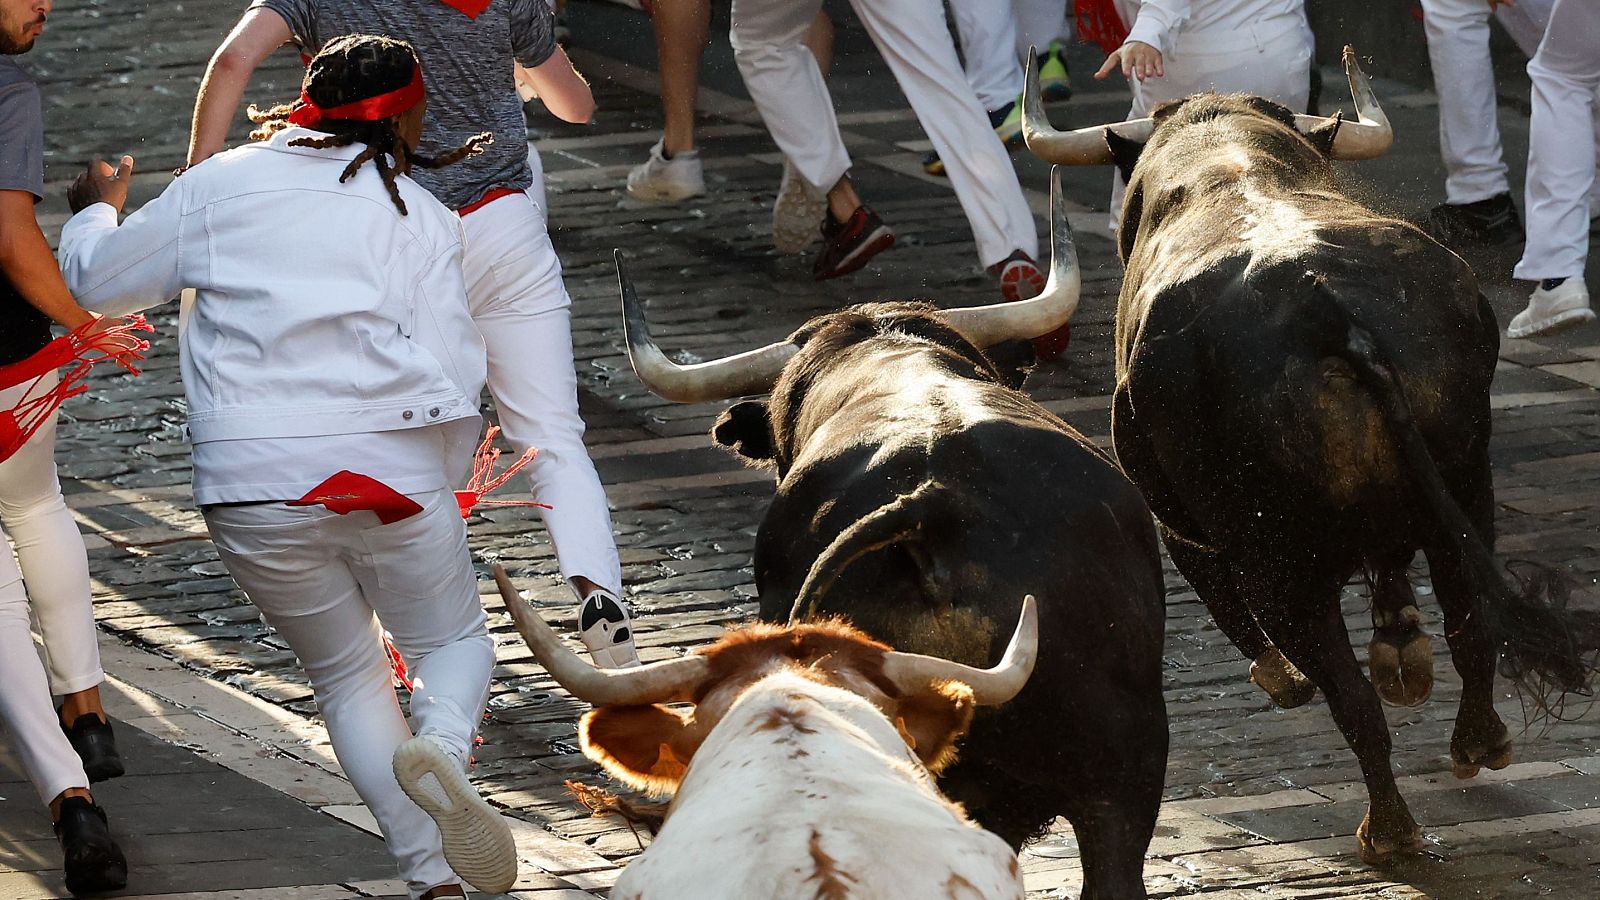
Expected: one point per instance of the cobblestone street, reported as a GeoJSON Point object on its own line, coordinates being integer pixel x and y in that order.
{"type": "Point", "coordinates": [1261, 802]}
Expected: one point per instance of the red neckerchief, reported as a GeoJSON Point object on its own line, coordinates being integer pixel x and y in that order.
{"type": "Point", "coordinates": [471, 8]}
{"type": "Point", "coordinates": [307, 114]}
{"type": "Point", "coordinates": [347, 492]}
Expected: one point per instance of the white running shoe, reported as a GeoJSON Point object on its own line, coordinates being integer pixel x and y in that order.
{"type": "Point", "coordinates": [607, 630]}
{"type": "Point", "coordinates": [663, 180]}
{"type": "Point", "coordinates": [797, 213]}
{"type": "Point", "coordinates": [477, 841]}
{"type": "Point", "coordinates": [1565, 305]}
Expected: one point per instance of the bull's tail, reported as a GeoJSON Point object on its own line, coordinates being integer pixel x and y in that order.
{"type": "Point", "coordinates": [902, 521]}
{"type": "Point", "coordinates": [1536, 637]}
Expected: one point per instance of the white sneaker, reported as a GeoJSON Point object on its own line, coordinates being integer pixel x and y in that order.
{"type": "Point", "coordinates": [797, 213]}
{"type": "Point", "coordinates": [663, 180]}
{"type": "Point", "coordinates": [477, 841]}
{"type": "Point", "coordinates": [1565, 305]}
{"type": "Point", "coordinates": [607, 630]}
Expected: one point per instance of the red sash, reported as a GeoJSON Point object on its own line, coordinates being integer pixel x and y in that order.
{"type": "Point", "coordinates": [77, 349]}
{"type": "Point", "coordinates": [470, 7]}
{"type": "Point", "coordinates": [1099, 23]}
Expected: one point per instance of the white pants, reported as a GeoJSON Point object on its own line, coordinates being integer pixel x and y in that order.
{"type": "Point", "coordinates": [1271, 59]}
{"type": "Point", "coordinates": [330, 585]}
{"type": "Point", "coordinates": [521, 307]}
{"type": "Point", "coordinates": [995, 37]}
{"type": "Point", "coordinates": [787, 87]}
{"type": "Point", "coordinates": [1562, 143]}
{"type": "Point", "coordinates": [54, 575]}
{"type": "Point", "coordinates": [1458, 51]}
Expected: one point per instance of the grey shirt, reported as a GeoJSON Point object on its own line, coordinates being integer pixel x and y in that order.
{"type": "Point", "coordinates": [23, 328]}
{"type": "Point", "coordinates": [466, 64]}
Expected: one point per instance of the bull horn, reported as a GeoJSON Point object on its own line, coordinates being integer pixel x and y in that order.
{"type": "Point", "coordinates": [986, 326]}
{"type": "Point", "coordinates": [990, 687]}
{"type": "Point", "coordinates": [752, 372]}
{"type": "Point", "coordinates": [1083, 147]}
{"type": "Point", "coordinates": [659, 682]}
{"type": "Point", "coordinates": [1370, 135]}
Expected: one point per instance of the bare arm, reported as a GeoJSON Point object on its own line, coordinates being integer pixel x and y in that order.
{"type": "Point", "coordinates": [258, 33]}
{"type": "Point", "coordinates": [26, 259]}
{"type": "Point", "coordinates": [562, 89]}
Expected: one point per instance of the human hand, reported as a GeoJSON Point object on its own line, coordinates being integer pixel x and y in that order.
{"type": "Point", "coordinates": [1136, 59]}
{"type": "Point", "coordinates": [101, 184]}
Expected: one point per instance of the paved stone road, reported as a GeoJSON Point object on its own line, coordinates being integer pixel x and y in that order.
{"type": "Point", "coordinates": [1262, 802]}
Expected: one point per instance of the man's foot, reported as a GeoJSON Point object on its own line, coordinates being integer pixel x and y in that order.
{"type": "Point", "coordinates": [443, 890]}
{"type": "Point", "coordinates": [846, 246]}
{"type": "Point", "coordinates": [1054, 81]}
{"type": "Point", "coordinates": [1556, 304]}
{"type": "Point", "coordinates": [796, 213]}
{"type": "Point", "coordinates": [1021, 279]}
{"type": "Point", "coordinates": [1007, 124]}
{"type": "Point", "coordinates": [661, 179]}
{"type": "Point", "coordinates": [96, 745]}
{"type": "Point", "coordinates": [477, 841]}
{"type": "Point", "coordinates": [1493, 222]}
{"type": "Point", "coordinates": [607, 630]}
{"type": "Point", "coordinates": [92, 861]}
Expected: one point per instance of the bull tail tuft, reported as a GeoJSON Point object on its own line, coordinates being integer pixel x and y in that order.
{"type": "Point", "coordinates": [900, 521]}
{"type": "Point", "coordinates": [1537, 637]}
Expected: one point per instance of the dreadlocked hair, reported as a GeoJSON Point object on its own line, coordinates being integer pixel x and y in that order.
{"type": "Point", "coordinates": [349, 69]}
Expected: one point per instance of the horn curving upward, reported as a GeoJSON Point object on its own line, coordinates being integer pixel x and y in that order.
{"type": "Point", "coordinates": [659, 682]}
{"type": "Point", "coordinates": [990, 687]}
{"type": "Point", "coordinates": [1369, 136]}
{"type": "Point", "coordinates": [752, 372]}
{"type": "Point", "coordinates": [986, 326]}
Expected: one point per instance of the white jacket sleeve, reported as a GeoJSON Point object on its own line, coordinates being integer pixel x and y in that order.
{"type": "Point", "coordinates": [1159, 22]}
{"type": "Point", "coordinates": [118, 270]}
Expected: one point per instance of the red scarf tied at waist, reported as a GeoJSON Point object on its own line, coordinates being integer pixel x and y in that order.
{"type": "Point", "coordinates": [80, 349]}
{"type": "Point", "coordinates": [308, 114]}
{"type": "Point", "coordinates": [1099, 23]}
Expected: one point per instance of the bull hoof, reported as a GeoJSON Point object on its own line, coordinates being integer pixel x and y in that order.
{"type": "Point", "coordinates": [1468, 757]}
{"type": "Point", "coordinates": [1380, 846]}
{"type": "Point", "coordinates": [1285, 684]}
{"type": "Point", "coordinates": [1402, 673]}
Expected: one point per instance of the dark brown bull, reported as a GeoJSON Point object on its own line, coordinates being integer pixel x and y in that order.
{"type": "Point", "coordinates": [1303, 390]}
{"type": "Point", "coordinates": [919, 494]}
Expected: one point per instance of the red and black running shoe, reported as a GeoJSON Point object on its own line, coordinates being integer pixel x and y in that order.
{"type": "Point", "coordinates": [846, 246]}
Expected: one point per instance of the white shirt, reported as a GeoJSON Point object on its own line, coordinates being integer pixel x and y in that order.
{"type": "Point", "coordinates": [320, 311]}
{"type": "Point", "coordinates": [1160, 22]}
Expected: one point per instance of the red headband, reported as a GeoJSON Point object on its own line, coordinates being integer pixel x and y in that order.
{"type": "Point", "coordinates": [372, 109]}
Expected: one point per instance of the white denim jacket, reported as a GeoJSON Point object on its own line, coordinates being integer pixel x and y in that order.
{"type": "Point", "coordinates": [319, 309]}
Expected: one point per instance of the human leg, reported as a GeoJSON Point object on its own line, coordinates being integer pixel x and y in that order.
{"type": "Point", "coordinates": [1561, 171]}
{"type": "Point", "coordinates": [50, 552]}
{"type": "Point", "coordinates": [988, 33]}
{"type": "Point", "coordinates": [786, 84]}
{"type": "Point", "coordinates": [911, 36]}
{"type": "Point", "coordinates": [673, 171]}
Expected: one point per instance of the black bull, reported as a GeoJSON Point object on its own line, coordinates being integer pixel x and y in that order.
{"type": "Point", "coordinates": [1303, 390]}
{"type": "Point", "coordinates": [922, 496]}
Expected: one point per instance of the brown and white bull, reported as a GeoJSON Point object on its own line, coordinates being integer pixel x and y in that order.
{"type": "Point", "coordinates": [805, 766]}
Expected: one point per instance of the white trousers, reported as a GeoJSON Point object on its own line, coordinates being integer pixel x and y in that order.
{"type": "Point", "coordinates": [1463, 75]}
{"type": "Point", "coordinates": [54, 576]}
{"type": "Point", "coordinates": [330, 585]}
{"type": "Point", "coordinates": [787, 87]}
{"type": "Point", "coordinates": [1271, 59]}
{"type": "Point", "coordinates": [995, 37]}
{"type": "Point", "coordinates": [521, 307]}
{"type": "Point", "coordinates": [1562, 143]}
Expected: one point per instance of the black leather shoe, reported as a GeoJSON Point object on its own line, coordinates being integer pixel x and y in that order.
{"type": "Point", "coordinates": [96, 746]}
{"type": "Point", "coordinates": [92, 860]}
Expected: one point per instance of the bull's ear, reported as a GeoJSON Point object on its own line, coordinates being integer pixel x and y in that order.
{"type": "Point", "coordinates": [645, 747]}
{"type": "Point", "coordinates": [1124, 153]}
{"type": "Point", "coordinates": [931, 721]}
{"type": "Point", "coordinates": [1321, 137]}
{"type": "Point", "coordinates": [745, 429]}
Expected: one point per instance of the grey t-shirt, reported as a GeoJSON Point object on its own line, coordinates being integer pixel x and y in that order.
{"type": "Point", "coordinates": [466, 64]}
{"type": "Point", "coordinates": [23, 329]}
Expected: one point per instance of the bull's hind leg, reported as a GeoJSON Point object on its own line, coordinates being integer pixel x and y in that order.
{"type": "Point", "coordinates": [1400, 656]}
{"type": "Point", "coordinates": [1304, 620]}
{"type": "Point", "coordinates": [1220, 592]}
{"type": "Point", "coordinates": [1480, 737]}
